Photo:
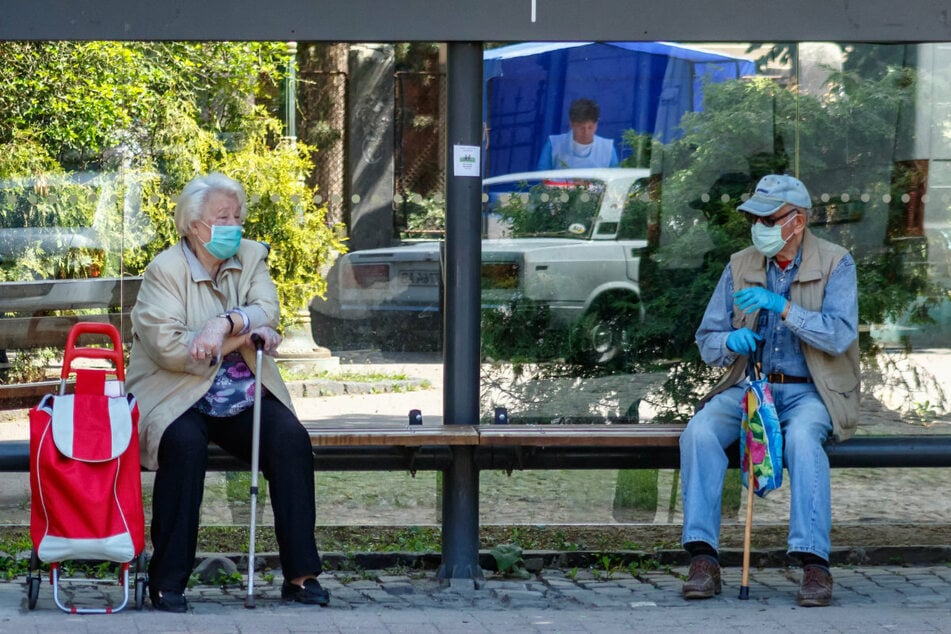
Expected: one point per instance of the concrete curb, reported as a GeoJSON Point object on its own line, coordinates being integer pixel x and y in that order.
{"type": "Point", "coordinates": [536, 560]}
{"type": "Point", "coordinates": [316, 388]}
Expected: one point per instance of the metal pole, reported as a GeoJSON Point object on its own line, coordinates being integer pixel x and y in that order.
{"type": "Point", "coordinates": [290, 94]}
{"type": "Point", "coordinates": [460, 535]}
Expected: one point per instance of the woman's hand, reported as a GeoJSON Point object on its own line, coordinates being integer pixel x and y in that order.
{"type": "Point", "coordinates": [270, 336]}
{"type": "Point", "coordinates": [207, 343]}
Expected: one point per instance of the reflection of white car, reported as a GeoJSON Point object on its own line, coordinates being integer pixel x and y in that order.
{"type": "Point", "coordinates": [567, 242]}
{"type": "Point", "coordinates": [62, 225]}
{"type": "Point", "coordinates": [54, 227]}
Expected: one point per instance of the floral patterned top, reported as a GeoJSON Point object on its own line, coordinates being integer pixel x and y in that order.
{"type": "Point", "coordinates": [232, 391]}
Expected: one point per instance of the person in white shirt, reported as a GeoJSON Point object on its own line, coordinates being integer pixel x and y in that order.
{"type": "Point", "coordinates": [581, 147]}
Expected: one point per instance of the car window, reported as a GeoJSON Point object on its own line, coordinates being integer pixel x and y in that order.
{"type": "Point", "coordinates": [637, 212]}
{"type": "Point", "coordinates": [564, 208]}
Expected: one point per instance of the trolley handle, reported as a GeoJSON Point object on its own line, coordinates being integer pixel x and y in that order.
{"type": "Point", "coordinates": [72, 352]}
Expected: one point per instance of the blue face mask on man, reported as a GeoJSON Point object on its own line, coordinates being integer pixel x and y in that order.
{"type": "Point", "coordinates": [225, 240]}
{"type": "Point", "coordinates": [769, 240]}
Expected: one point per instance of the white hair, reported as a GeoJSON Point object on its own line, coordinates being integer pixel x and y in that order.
{"type": "Point", "coordinates": [191, 201]}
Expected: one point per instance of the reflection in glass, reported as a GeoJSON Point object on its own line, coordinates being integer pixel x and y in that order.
{"type": "Point", "coordinates": [852, 121]}
{"type": "Point", "coordinates": [592, 285]}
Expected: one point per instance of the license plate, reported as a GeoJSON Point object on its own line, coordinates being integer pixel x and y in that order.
{"type": "Point", "coordinates": [419, 278]}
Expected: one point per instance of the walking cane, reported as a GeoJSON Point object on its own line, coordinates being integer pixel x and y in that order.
{"type": "Point", "coordinates": [748, 533]}
{"type": "Point", "coordinates": [255, 457]}
{"type": "Point", "coordinates": [750, 485]}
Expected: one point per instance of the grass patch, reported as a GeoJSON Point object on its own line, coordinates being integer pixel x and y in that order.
{"type": "Point", "coordinates": [422, 539]}
{"type": "Point", "coordinates": [348, 539]}
{"type": "Point", "coordinates": [428, 539]}
{"type": "Point", "coordinates": [14, 543]}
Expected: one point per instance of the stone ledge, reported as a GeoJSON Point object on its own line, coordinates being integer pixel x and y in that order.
{"type": "Point", "coordinates": [581, 559]}
{"type": "Point", "coordinates": [312, 388]}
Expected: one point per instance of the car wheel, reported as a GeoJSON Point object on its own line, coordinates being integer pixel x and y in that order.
{"type": "Point", "coordinates": [607, 340]}
{"type": "Point", "coordinates": [605, 332]}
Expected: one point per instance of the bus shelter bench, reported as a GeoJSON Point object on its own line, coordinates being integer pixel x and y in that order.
{"type": "Point", "coordinates": [432, 448]}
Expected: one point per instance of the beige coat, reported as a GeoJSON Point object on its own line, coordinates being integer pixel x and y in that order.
{"type": "Point", "coordinates": [171, 308]}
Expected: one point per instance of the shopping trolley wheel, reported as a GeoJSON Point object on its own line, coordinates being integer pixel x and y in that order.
{"type": "Point", "coordinates": [139, 593]}
{"type": "Point", "coordinates": [32, 590]}
{"type": "Point", "coordinates": [33, 579]}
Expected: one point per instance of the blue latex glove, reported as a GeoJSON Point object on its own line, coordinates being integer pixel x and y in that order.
{"type": "Point", "coordinates": [756, 297]}
{"type": "Point", "coordinates": [743, 341]}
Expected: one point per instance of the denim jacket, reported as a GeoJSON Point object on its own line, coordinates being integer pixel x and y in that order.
{"type": "Point", "coordinates": [823, 320]}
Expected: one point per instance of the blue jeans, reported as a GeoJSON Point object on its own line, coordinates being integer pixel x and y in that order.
{"type": "Point", "coordinates": [805, 424]}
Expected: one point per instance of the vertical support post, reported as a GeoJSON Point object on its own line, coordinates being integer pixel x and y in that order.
{"type": "Point", "coordinates": [290, 94]}
{"type": "Point", "coordinates": [461, 313]}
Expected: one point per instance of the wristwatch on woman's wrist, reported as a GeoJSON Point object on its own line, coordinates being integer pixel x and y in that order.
{"type": "Point", "coordinates": [230, 321]}
{"type": "Point", "coordinates": [245, 321]}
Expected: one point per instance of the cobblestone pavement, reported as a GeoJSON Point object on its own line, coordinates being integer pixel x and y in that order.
{"type": "Point", "coordinates": [906, 599]}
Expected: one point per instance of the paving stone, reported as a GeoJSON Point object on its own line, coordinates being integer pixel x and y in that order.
{"type": "Point", "coordinates": [380, 596]}
{"type": "Point", "coordinates": [898, 599]}
{"type": "Point", "coordinates": [387, 579]}
{"type": "Point", "coordinates": [399, 589]}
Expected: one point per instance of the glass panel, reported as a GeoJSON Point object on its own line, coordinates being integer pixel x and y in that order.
{"type": "Point", "coordinates": [100, 137]}
{"type": "Point", "coordinates": [594, 279]}
{"type": "Point", "coordinates": [862, 125]}
{"type": "Point", "coordinates": [856, 122]}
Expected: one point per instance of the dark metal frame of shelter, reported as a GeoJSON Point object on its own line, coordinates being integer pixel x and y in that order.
{"type": "Point", "coordinates": [465, 26]}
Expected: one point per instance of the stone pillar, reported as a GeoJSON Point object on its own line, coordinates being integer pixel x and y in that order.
{"type": "Point", "coordinates": [370, 139]}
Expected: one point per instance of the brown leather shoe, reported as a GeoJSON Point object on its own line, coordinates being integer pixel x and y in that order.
{"type": "Point", "coordinates": [703, 579]}
{"type": "Point", "coordinates": [815, 589]}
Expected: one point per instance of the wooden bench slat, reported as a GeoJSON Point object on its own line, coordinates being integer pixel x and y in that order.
{"type": "Point", "coordinates": [932, 451]}
{"type": "Point", "coordinates": [645, 435]}
{"type": "Point", "coordinates": [394, 435]}
{"type": "Point", "coordinates": [44, 295]}
{"type": "Point", "coordinates": [51, 332]}
{"type": "Point", "coordinates": [355, 435]}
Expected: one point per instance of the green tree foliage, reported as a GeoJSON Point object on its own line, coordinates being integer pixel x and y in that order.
{"type": "Point", "coordinates": [843, 144]}
{"type": "Point", "coordinates": [153, 115]}
{"type": "Point", "coordinates": [546, 210]}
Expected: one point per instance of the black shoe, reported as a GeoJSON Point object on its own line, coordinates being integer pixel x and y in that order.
{"type": "Point", "coordinates": [311, 593]}
{"type": "Point", "coordinates": [168, 601]}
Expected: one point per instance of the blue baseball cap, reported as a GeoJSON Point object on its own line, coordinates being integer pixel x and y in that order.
{"type": "Point", "coordinates": [773, 191]}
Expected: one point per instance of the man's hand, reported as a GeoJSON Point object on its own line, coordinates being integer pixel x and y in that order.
{"type": "Point", "coordinates": [756, 297]}
{"type": "Point", "coordinates": [743, 341]}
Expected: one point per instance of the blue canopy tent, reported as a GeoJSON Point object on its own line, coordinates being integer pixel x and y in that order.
{"type": "Point", "coordinates": [644, 86]}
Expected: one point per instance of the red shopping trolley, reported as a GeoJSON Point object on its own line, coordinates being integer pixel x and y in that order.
{"type": "Point", "coordinates": [85, 476]}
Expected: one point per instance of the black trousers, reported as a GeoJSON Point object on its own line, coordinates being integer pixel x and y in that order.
{"type": "Point", "coordinates": [286, 461]}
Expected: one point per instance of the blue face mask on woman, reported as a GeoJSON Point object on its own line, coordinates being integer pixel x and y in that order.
{"type": "Point", "coordinates": [225, 240]}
